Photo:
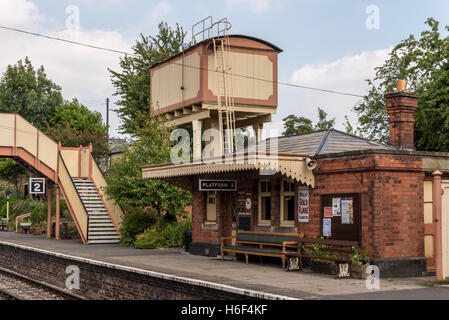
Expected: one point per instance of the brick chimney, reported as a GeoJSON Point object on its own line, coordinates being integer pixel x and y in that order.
{"type": "Point", "coordinates": [401, 106]}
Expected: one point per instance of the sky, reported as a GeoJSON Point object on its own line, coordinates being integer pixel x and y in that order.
{"type": "Point", "coordinates": [327, 44]}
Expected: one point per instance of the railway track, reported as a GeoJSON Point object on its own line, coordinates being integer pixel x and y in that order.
{"type": "Point", "coordinates": [14, 286]}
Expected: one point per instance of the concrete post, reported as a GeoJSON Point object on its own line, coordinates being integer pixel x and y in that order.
{"type": "Point", "coordinates": [49, 189]}
{"type": "Point", "coordinates": [436, 195]}
{"type": "Point", "coordinates": [197, 139]}
{"type": "Point", "coordinates": [58, 214]}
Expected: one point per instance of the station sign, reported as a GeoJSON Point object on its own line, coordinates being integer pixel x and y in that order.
{"type": "Point", "coordinates": [218, 185]}
{"type": "Point", "coordinates": [37, 185]}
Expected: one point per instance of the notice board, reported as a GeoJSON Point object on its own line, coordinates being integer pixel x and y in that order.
{"type": "Point", "coordinates": [342, 227]}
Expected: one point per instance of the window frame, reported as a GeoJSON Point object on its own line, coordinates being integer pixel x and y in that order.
{"type": "Point", "coordinates": [208, 196]}
{"type": "Point", "coordinates": [260, 196]}
{"type": "Point", "coordinates": [287, 223]}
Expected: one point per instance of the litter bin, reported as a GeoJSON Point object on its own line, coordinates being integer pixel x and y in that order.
{"type": "Point", "coordinates": [187, 240]}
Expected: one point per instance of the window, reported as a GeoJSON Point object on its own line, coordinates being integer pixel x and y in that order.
{"type": "Point", "coordinates": [287, 202]}
{"type": "Point", "coordinates": [211, 207]}
{"type": "Point", "coordinates": [265, 202]}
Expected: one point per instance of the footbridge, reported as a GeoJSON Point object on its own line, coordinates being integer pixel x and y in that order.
{"type": "Point", "coordinates": [71, 173]}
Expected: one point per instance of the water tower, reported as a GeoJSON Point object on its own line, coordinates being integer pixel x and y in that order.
{"type": "Point", "coordinates": [222, 81]}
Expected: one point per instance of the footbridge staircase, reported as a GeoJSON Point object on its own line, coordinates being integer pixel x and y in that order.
{"type": "Point", "coordinates": [71, 171]}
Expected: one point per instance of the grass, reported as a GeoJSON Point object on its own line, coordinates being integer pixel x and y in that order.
{"type": "Point", "coordinates": [435, 283]}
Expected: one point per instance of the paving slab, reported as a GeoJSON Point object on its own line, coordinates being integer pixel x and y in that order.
{"type": "Point", "coordinates": [267, 278]}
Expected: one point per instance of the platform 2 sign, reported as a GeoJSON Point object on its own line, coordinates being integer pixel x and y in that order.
{"type": "Point", "coordinates": [37, 186]}
{"type": "Point", "coordinates": [218, 185]}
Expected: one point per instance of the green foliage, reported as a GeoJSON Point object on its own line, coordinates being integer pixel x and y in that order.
{"type": "Point", "coordinates": [150, 239]}
{"type": "Point", "coordinates": [171, 235]}
{"type": "Point", "coordinates": [126, 184]}
{"type": "Point", "coordinates": [29, 92]}
{"type": "Point", "coordinates": [323, 123]}
{"type": "Point", "coordinates": [134, 223]}
{"type": "Point", "coordinates": [72, 137]}
{"type": "Point", "coordinates": [79, 117]}
{"type": "Point", "coordinates": [13, 173]}
{"type": "Point", "coordinates": [414, 60]}
{"type": "Point", "coordinates": [38, 215]}
{"type": "Point", "coordinates": [75, 125]}
{"type": "Point", "coordinates": [357, 258]}
{"type": "Point", "coordinates": [432, 116]}
{"type": "Point", "coordinates": [132, 82]}
{"type": "Point", "coordinates": [299, 125]}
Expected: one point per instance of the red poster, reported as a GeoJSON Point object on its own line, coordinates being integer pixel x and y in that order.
{"type": "Point", "coordinates": [328, 212]}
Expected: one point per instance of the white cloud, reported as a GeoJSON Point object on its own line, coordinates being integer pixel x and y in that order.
{"type": "Point", "coordinates": [14, 13]}
{"type": "Point", "coordinates": [347, 74]}
{"type": "Point", "coordinates": [81, 72]}
{"type": "Point", "coordinates": [256, 6]}
{"type": "Point", "coordinates": [161, 10]}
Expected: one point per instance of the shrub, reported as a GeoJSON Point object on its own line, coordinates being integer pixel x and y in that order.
{"type": "Point", "coordinates": [38, 215]}
{"type": "Point", "coordinates": [171, 235]}
{"type": "Point", "coordinates": [135, 223]}
{"type": "Point", "coordinates": [150, 239]}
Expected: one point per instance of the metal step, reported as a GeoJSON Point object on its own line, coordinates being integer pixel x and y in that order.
{"type": "Point", "coordinates": [104, 237]}
{"type": "Point", "coordinates": [100, 227]}
{"type": "Point", "coordinates": [107, 229]}
{"type": "Point", "coordinates": [103, 241]}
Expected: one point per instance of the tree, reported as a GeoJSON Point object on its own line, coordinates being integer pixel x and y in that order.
{"type": "Point", "coordinates": [323, 123]}
{"type": "Point", "coordinates": [432, 116]}
{"type": "Point", "coordinates": [133, 82]}
{"type": "Point", "coordinates": [73, 125]}
{"type": "Point", "coordinates": [28, 92]}
{"type": "Point", "coordinates": [414, 60]}
{"type": "Point", "coordinates": [13, 173]}
{"type": "Point", "coordinates": [299, 125]}
{"type": "Point", "coordinates": [79, 116]}
{"type": "Point", "coordinates": [126, 184]}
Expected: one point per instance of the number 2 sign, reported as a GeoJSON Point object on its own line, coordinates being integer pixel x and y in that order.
{"type": "Point", "coordinates": [37, 186]}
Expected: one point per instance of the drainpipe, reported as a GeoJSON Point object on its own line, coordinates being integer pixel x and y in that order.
{"type": "Point", "coordinates": [436, 198]}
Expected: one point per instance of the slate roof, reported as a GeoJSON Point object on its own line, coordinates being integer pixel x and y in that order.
{"type": "Point", "coordinates": [323, 142]}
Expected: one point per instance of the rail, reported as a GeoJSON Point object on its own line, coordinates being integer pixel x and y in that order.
{"type": "Point", "coordinates": [75, 205]}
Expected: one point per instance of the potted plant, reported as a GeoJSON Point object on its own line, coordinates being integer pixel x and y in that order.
{"type": "Point", "coordinates": [36, 230]}
{"type": "Point", "coordinates": [359, 263]}
{"type": "Point", "coordinates": [320, 259]}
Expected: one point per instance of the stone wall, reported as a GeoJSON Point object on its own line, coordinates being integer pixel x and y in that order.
{"type": "Point", "coordinates": [102, 281]}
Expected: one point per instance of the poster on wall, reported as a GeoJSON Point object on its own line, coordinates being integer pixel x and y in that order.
{"type": "Point", "coordinates": [303, 205]}
{"type": "Point", "coordinates": [336, 207]}
{"type": "Point", "coordinates": [327, 227]}
{"type": "Point", "coordinates": [347, 211]}
{"type": "Point", "coordinates": [328, 212]}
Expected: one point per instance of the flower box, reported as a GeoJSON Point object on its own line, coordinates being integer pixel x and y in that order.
{"type": "Point", "coordinates": [325, 268]}
{"type": "Point", "coordinates": [359, 271]}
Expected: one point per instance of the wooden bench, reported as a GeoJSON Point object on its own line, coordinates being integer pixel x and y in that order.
{"type": "Point", "coordinates": [4, 224]}
{"type": "Point", "coordinates": [25, 227]}
{"type": "Point", "coordinates": [263, 244]}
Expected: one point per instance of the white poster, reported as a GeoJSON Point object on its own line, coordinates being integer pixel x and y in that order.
{"type": "Point", "coordinates": [303, 205]}
{"type": "Point", "coordinates": [347, 212]}
{"type": "Point", "coordinates": [336, 207]}
{"type": "Point", "coordinates": [327, 227]}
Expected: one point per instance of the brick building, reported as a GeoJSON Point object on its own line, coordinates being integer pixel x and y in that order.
{"type": "Point", "coordinates": [386, 187]}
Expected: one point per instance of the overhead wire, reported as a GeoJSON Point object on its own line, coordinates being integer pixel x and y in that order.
{"type": "Point", "coordinates": [189, 66]}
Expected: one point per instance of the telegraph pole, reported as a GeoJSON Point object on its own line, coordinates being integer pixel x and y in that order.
{"type": "Point", "coordinates": [107, 126]}
{"type": "Point", "coordinates": [107, 116]}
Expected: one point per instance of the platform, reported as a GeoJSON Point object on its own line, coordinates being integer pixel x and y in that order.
{"type": "Point", "coordinates": [269, 279]}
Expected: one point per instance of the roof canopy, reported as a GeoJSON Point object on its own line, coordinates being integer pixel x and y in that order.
{"type": "Point", "coordinates": [291, 166]}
